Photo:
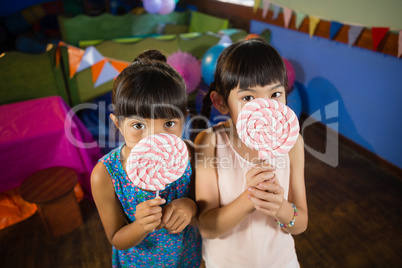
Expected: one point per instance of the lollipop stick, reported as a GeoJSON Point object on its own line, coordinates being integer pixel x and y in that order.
{"type": "Point", "coordinates": [157, 193]}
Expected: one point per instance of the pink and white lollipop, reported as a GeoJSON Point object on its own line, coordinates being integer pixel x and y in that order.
{"type": "Point", "coordinates": [268, 126]}
{"type": "Point", "coordinates": [156, 161]}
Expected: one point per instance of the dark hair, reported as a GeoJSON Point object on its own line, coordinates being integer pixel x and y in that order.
{"type": "Point", "coordinates": [246, 63]}
{"type": "Point", "coordinates": [149, 88]}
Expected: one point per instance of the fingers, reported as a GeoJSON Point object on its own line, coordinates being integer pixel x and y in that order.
{"type": "Point", "coordinates": [263, 167]}
{"type": "Point", "coordinates": [176, 216]}
{"type": "Point", "coordinates": [151, 203]}
{"type": "Point", "coordinates": [175, 220]}
{"type": "Point", "coordinates": [261, 177]}
{"type": "Point", "coordinates": [271, 186]}
{"type": "Point", "coordinates": [149, 213]}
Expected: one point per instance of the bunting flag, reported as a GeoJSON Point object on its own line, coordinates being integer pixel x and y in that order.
{"type": "Point", "coordinates": [287, 15]}
{"type": "Point", "coordinates": [334, 29]}
{"type": "Point", "coordinates": [299, 19]}
{"type": "Point", "coordinates": [378, 34]}
{"type": "Point", "coordinates": [265, 8]}
{"type": "Point", "coordinates": [97, 69]}
{"type": "Point", "coordinates": [313, 24]}
{"type": "Point", "coordinates": [103, 69]}
{"type": "Point", "coordinates": [108, 73]}
{"type": "Point", "coordinates": [277, 9]}
{"type": "Point", "coordinates": [119, 65]}
{"type": "Point", "coordinates": [256, 5]}
{"type": "Point", "coordinates": [225, 39]}
{"type": "Point", "coordinates": [354, 33]}
{"type": "Point", "coordinates": [91, 56]}
{"type": "Point", "coordinates": [74, 59]}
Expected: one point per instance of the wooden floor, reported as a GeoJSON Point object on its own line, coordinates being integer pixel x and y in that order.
{"type": "Point", "coordinates": [355, 215]}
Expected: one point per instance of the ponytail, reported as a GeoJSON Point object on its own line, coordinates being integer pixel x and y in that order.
{"type": "Point", "coordinates": [200, 124]}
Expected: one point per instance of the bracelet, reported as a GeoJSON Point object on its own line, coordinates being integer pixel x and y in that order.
{"type": "Point", "coordinates": [292, 222]}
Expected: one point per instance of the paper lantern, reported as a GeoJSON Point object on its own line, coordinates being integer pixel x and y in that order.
{"type": "Point", "coordinates": [188, 67]}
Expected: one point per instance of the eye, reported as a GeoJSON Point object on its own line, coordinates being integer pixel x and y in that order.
{"type": "Point", "coordinates": [170, 124]}
{"type": "Point", "coordinates": [139, 126]}
{"type": "Point", "coordinates": [248, 98]}
{"type": "Point", "coordinates": [276, 95]}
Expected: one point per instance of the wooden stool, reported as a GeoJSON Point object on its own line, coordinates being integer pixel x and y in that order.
{"type": "Point", "coordinates": [52, 190]}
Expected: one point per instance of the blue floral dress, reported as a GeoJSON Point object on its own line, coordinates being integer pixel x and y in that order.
{"type": "Point", "coordinates": [160, 248]}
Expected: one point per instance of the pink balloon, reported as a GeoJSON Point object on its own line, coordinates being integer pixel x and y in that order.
{"type": "Point", "coordinates": [167, 7]}
{"type": "Point", "coordinates": [291, 74]}
{"type": "Point", "coordinates": [152, 6]}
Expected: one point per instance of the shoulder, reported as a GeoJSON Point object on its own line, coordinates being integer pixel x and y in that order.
{"type": "Point", "coordinates": [205, 137]}
{"type": "Point", "coordinates": [100, 177]}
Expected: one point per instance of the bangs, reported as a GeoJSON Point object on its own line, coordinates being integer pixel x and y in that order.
{"type": "Point", "coordinates": [156, 97]}
{"type": "Point", "coordinates": [242, 67]}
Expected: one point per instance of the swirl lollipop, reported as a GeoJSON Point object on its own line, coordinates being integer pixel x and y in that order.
{"type": "Point", "coordinates": [268, 126]}
{"type": "Point", "coordinates": [156, 161]}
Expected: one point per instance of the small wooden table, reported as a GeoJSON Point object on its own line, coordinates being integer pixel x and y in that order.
{"type": "Point", "coordinates": [52, 190]}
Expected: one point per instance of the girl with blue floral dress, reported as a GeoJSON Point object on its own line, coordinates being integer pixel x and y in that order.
{"type": "Point", "coordinates": [149, 97]}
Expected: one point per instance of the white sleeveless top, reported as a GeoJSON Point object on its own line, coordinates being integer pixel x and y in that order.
{"type": "Point", "coordinates": [257, 241]}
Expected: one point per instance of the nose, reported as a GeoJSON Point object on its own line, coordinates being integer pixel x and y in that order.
{"type": "Point", "coordinates": [152, 130]}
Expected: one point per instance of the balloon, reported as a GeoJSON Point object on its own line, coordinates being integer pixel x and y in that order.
{"type": "Point", "coordinates": [152, 6]}
{"type": "Point", "coordinates": [188, 67]}
{"type": "Point", "coordinates": [291, 74]}
{"type": "Point", "coordinates": [167, 7]}
{"type": "Point", "coordinates": [209, 61]}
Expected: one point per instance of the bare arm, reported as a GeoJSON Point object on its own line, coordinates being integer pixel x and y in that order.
{"type": "Point", "coordinates": [120, 233]}
{"type": "Point", "coordinates": [297, 188]}
{"type": "Point", "coordinates": [215, 220]}
{"type": "Point", "coordinates": [269, 196]}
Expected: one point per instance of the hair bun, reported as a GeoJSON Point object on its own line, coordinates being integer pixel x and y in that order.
{"type": "Point", "coordinates": [152, 54]}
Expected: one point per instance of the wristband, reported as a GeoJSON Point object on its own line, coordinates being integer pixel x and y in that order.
{"type": "Point", "coordinates": [292, 222]}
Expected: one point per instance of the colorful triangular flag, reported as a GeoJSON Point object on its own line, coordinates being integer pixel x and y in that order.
{"type": "Point", "coordinates": [313, 24]}
{"type": "Point", "coordinates": [299, 19]}
{"type": "Point", "coordinates": [334, 29]}
{"type": "Point", "coordinates": [96, 69]}
{"type": "Point", "coordinates": [287, 15]}
{"type": "Point", "coordinates": [90, 57]}
{"type": "Point", "coordinates": [353, 34]}
{"type": "Point", "coordinates": [256, 5]}
{"type": "Point", "coordinates": [400, 44]}
{"type": "Point", "coordinates": [75, 55]}
{"type": "Point", "coordinates": [108, 73]}
{"type": "Point", "coordinates": [277, 9]}
{"type": "Point", "coordinates": [265, 8]}
{"type": "Point", "coordinates": [378, 34]}
{"type": "Point", "coordinates": [225, 39]}
{"type": "Point", "coordinates": [119, 65]}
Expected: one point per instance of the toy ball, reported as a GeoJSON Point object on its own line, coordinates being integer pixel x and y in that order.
{"type": "Point", "coordinates": [209, 60]}
{"type": "Point", "coordinates": [167, 7]}
{"type": "Point", "coordinates": [291, 74]}
{"type": "Point", "coordinates": [188, 67]}
{"type": "Point", "coordinates": [152, 6]}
